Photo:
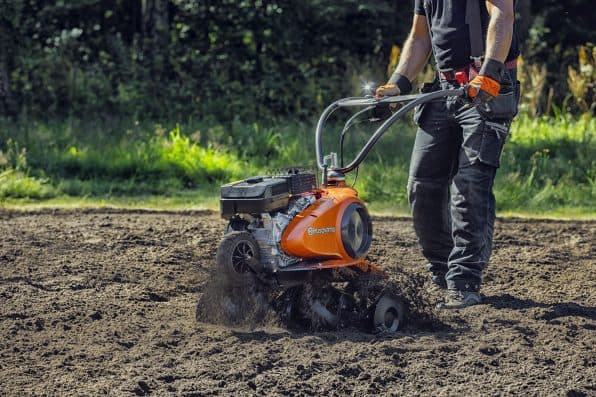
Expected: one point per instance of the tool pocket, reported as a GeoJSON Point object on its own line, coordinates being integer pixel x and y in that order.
{"type": "Point", "coordinates": [503, 106]}
{"type": "Point", "coordinates": [494, 135]}
{"type": "Point", "coordinates": [485, 144]}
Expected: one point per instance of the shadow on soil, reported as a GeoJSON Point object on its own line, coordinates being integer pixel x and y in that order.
{"type": "Point", "coordinates": [554, 311]}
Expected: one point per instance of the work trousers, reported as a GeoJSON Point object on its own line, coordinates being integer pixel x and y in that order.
{"type": "Point", "coordinates": [450, 189]}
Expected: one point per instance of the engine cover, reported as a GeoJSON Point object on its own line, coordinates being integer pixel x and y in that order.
{"type": "Point", "coordinates": [337, 226]}
{"type": "Point", "coordinates": [263, 194]}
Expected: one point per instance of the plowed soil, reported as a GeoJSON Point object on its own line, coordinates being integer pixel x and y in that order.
{"type": "Point", "coordinates": [102, 302]}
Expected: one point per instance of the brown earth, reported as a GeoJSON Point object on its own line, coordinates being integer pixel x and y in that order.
{"type": "Point", "coordinates": [103, 302]}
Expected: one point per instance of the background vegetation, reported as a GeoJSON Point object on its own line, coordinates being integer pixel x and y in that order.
{"type": "Point", "coordinates": [110, 98]}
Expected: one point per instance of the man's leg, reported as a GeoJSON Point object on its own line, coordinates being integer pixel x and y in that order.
{"type": "Point", "coordinates": [434, 157]}
{"type": "Point", "coordinates": [473, 205]}
{"type": "Point", "coordinates": [473, 214]}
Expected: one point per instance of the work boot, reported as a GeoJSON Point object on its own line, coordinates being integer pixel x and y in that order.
{"type": "Point", "coordinates": [456, 299]}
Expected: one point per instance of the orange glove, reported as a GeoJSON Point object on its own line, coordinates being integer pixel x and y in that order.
{"type": "Point", "coordinates": [387, 90]}
{"type": "Point", "coordinates": [384, 111]}
{"type": "Point", "coordinates": [485, 87]}
{"type": "Point", "coordinates": [397, 84]}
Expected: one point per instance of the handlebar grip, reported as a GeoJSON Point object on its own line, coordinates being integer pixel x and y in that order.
{"type": "Point", "coordinates": [382, 111]}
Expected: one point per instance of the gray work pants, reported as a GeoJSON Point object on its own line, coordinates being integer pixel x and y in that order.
{"type": "Point", "coordinates": [450, 189]}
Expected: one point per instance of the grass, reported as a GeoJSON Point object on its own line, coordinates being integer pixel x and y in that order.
{"type": "Point", "coordinates": [548, 166]}
{"type": "Point", "coordinates": [209, 200]}
{"type": "Point", "coordinates": [183, 200]}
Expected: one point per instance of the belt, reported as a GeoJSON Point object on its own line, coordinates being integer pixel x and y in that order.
{"type": "Point", "coordinates": [465, 74]}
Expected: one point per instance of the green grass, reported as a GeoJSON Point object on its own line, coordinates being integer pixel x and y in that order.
{"type": "Point", "coordinates": [548, 165]}
{"type": "Point", "coordinates": [19, 185]}
{"type": "Point", "coordinates": [182, 200]}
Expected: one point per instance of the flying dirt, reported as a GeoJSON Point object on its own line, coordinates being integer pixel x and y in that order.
{"type": "Point", "coordinates": [103, 302]}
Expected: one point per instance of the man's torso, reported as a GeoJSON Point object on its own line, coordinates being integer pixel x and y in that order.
{"type": "Point", "coordinates": [450, 32]}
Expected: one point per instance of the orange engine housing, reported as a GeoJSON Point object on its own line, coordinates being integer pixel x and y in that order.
{"type": "Point", "coordinates": [336, 226]}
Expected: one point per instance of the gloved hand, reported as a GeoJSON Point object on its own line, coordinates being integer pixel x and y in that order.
{"type": "Point", "coordinates": [388, 89]}
{"type": "Point", "coordinates": [397, 84]}
{"type": "Point", "coordinates": [485, 87]}
{"type": "Point", "coordinates": [384, 110]}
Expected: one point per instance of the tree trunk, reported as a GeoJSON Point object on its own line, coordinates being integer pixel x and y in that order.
{"type": "Point", "coordinates": [155, 43]}
{"type": "Point", "coordinates": [7, 49]}
{"type": "Point", "coordinates": [156, 22]}
{"type": "Point", "coordinates": [524, 19]}
{"type": "Point", "coordinates": [7, 103]}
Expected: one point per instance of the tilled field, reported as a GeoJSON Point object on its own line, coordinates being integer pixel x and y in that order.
{"type": "Point", "coordinates": [102, 302]}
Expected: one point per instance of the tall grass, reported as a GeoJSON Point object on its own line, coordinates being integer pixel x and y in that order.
{"type": "Point", "coordinates": [547, 164]}
{"type": "Point", "coordinates": [158, 162]}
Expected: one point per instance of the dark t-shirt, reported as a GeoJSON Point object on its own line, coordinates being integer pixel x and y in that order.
{"type": "Point", "coordinates": [450, 33]}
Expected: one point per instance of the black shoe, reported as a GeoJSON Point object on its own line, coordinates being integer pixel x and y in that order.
{"type": "Point", "coordinates": [456, 299]}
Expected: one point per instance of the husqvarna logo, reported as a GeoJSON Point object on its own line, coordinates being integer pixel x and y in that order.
{"type": "Point", "coordinates": [311, 231]}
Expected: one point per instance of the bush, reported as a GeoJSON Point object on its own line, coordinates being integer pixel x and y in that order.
{"type": "Point", "coordinates": [16, 184]}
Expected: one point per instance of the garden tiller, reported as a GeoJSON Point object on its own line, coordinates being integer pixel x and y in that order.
{"type": "Point", "coordinates": [308, 241]}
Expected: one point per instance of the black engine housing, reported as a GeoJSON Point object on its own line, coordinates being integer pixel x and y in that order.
{"type": "Point", "coordinates": [262, 194]}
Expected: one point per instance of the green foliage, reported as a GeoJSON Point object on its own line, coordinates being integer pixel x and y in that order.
{"type": "Point", "coordinates": [555, 31]}
{"type": "Point", "coordinates": [192, 162]}
{"type": "Point", "coordinates": [147, 163]}
{"type": "Point", "coordinates": [249, 59]}
{"type": "Point", "coordinates": [227, 59]}
{"type": "Point", "coordinates": [17, 184]}
{"type": "Point", "coordinates": [547, 164]}
{"type": "Point", "coordinates": [15, 156]}
{"type": "Point", "coordinates": [246, 59]}
{"type": "Point", "coordinates": [383, 183]}
{"type": "Point", "coordinates": [14, 179]}
{"type": "Point", "coordinates": [162, 162]}
{"type": "Point", "coordinates": [75, 78]}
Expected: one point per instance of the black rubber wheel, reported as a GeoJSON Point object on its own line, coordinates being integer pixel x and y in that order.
{"type": "Point", "coordinates": [237, 255]}
{"type": "Point", "coordinates": [389, 314]}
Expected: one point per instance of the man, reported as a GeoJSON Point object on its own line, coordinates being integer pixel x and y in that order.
{"type": "Point", "coordinates": [457, 148]}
